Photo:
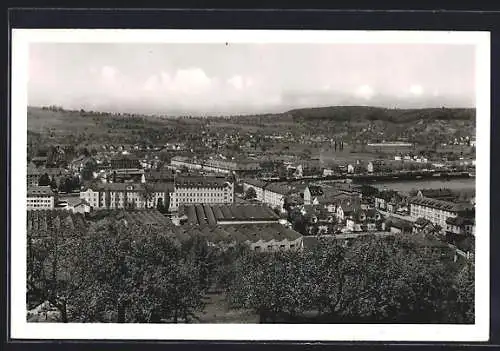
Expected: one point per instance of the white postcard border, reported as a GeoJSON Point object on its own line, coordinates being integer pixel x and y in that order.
{"type": "Point", "coordinates": [21, 329]}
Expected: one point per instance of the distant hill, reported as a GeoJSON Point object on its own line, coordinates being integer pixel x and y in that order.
{"type": "Point", "coordinates": [365, 113]}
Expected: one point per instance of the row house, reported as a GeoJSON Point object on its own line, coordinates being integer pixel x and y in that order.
{"type": "Point", "coordinates": [387, 200]}
{"type": "Point", "coordinates": [364, 220]}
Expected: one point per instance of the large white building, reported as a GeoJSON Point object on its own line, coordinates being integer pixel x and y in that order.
{"type": "Point", "coordinates": [273, 194]}
{"type": "Point", "coordinates": [215, 166]}
{"type": "Point", "coordinates": [127, 195]}
{"type": "Point", "coordinates": [436, 211]}
{"type": "Point", "coordinates": [257, 185]}
{"type": "Point", "coordinates": [201, 190]}
{"type": "Point", "coordinates": [184, 190]}
{"type": "Point", "coordinates": [40, 198]}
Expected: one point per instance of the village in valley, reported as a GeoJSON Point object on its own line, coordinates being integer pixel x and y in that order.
{"type": "Point", "coordinates": [318, 211]}
{"type": "Point", "coordinates": [269, 202]}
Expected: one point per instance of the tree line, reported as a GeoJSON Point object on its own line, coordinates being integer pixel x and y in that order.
{"type": "Point", "coordinates": [117, 272]}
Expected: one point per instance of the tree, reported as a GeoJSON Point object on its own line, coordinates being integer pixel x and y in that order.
{"type": "Point", "coordinates": [133, 274]}
{"type": "Point", "coordinates": [159, 205]}
{"type": "Point", "coordinates": [464, 286]}
{"type": "Point", "coordinates": [44, 180]}
{"type": "Point", "coordinates": [250, 194]}
{"type": "Point", "coordinates": [88, 170]}
{"type": "Point", "coordinates": [148, 194]}
{"type": "Point", "coordinates": [53, 184]}
{"type": "Point", "coordinates": [373, 280]}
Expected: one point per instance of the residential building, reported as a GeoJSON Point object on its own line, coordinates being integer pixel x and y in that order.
{"type": "Point", "coordinates": [127, 195]}
{"type": "Point", "coordinates": [274, 195]}
{"type": "Point", "coordinates": [436, 211]}
{"type": "Point", "coordinates": [423, 225]}
{"type": "Point", "coordinates": [77, 205]}
{"type": "Point", "coordinates": [125, 163]}
{"type": "Point", "coordinates": [257, 185]}
{"type": "Point", "coordinates": [398, 226]}
{"type": "Point", "coordinates": [461, 226]}
{"type": "Point", "coordinates": [382, 198]}
{"type": "Point", "coordinates": [363, 220]}
{"type": "Point", "coordinates": [439, 194]}
{"type": "Point", "coordinates": [40, 198]}
{"type": "Point", "coordinates": [312, 192]}
{"type": "Point", "coordinates": [32, 175]}
{"type": "Point", "coordinates": [201, 190]}
{"type": "Point", "coordinates": [121, 195]}
{"type": "Point", "coordinates": [346, 209]}
{"type": "Point", "coordinates": [91, 197]}
{"type": "Point", "coordinates": [182, 161]}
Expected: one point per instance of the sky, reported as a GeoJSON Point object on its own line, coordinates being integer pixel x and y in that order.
{"type": "Point", "coordinates": [223, 79]}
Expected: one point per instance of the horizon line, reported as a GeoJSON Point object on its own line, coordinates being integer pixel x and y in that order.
{"type": "Point", "coordinates": [201, 114]}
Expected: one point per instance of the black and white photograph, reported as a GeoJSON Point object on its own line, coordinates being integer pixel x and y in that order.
{"type": "Point", "coordinates": [274, 185]}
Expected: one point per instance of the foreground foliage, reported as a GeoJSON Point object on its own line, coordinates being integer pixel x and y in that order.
{"type": "Point", "coordinates": [117, 272]}
{"type": "Point", "coordinates": [374, 280]}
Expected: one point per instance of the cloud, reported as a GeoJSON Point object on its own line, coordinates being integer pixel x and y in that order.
{"type": "Point", "coordinates": [192, 80]}
{"type": "Point", "coordinates": [109, 73]}
{"type": "Point", "coordinates": [248, 77]}
{"type": "Point", "coordinates": [365, 91]}
{"type": "Point", "coordinates": [416, 90]}
{"type": "Point", "coordinates": [239, 82]}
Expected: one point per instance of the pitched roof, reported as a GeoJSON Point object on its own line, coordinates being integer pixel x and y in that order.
{"type": "Point", "coordinates": [399, 223]}
{"type": "Point", "coordinates": [76, 201]}
{"type": "Point", "coordinates": [200, 182]}
{"type": "Point", "coordinates": [315, 190]}
{"type": "Point", "coordinates": [437, 204]}
{"type": "Point", "coordinates": [437, 193]}
{"type": "Point", "coordinates": [40, 190]}
{"type": "Point", "coordinates": [422, 222]}
{"type": "Point", "coordinates": [237, 233]}
{"type": "Point", "coordinates": [119, 187]}
{"type": "Point", "coordinates": [279, 188]}
{"type": "Point", "coordinates": [255, 182]}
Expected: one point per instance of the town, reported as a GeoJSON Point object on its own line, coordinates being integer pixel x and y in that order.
{"type": "Point", "coordinates": [265, 190]}
{"type": "Point", "coordinates": [311, 195]}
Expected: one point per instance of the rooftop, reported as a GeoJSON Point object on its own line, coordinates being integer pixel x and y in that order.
{"type": "Point", "coordinates": [119, 187]}
{"type": "Point", "coordinates": [200, 182]}
{"type": "Point", "coordinates": [437, 204]}
{"type": "Point", "coordinates": [40, 191]}
{"type": "Point", "coordinates": [255, 182]}
{"type": "Point", "coordinates": [241, 233]}
{"type": "Point", "coordinates": [213, 214]}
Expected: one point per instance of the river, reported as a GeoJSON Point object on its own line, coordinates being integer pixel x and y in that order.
{"type": "Point", "coordinates": [407, 186]}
